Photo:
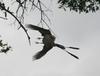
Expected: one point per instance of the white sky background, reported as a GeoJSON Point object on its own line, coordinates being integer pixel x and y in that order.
{"type": "Point", "coordinates": [71, 29]}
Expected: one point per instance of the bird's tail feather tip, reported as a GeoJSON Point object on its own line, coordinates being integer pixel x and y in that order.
{"type": "Point", "coordinates": [74, 56]}
{"type": "Point", "coordinates": [74, 48]}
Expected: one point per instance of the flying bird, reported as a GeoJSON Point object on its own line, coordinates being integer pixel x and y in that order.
{"type": "Point", "coordinates": [49, 42]}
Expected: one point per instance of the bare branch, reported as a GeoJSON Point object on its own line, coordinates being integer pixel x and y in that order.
{"type": "Point", "coordinates": [3, 18]}
{"type": "Point", "coordinates": [3, 8]}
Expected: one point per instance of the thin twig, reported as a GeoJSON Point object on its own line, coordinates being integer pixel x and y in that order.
{"type": "Point", "coordinates": [17, 21]}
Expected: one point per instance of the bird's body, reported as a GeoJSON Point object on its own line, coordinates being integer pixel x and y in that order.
{"type": "Point", "coordinates": [48, 41]}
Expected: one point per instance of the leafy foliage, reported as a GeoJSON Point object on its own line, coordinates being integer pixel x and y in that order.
{"type": "Point", "coordinates": [4, 47]}
{"type": "Point", "coordinates": [80, 5]}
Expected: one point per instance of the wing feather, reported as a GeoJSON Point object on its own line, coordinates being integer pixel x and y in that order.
{"type": "Point", "coordinates": [41, 53]}
{"type": "Point", "coordinates": [41, 30]}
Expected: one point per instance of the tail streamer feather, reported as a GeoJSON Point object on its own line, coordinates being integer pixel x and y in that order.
{"type": "Point", "coordinates": [73, 55]}
{"type": "Point", "coordinates": [64, 48]}
{"type": "Point", "coordinates": [74, 48]}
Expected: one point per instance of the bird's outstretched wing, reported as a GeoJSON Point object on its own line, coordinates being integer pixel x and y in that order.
{"type": "Point", "coordinates": [41, 30]}
{"type": "Point", "coordinates": [41, 53]}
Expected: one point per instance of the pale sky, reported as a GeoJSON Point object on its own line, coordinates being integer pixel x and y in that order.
{"type": "Point", "coordinates": [71, 29]}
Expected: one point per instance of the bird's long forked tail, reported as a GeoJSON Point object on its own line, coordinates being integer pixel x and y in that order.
{"type": "Point", "coordinates": [64, 48]}
{"type": "Point", "coordinates": [71, 53]}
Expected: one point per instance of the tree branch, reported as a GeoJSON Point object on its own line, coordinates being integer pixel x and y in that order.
{"type": "Point", "coordinates": [3, 8]}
